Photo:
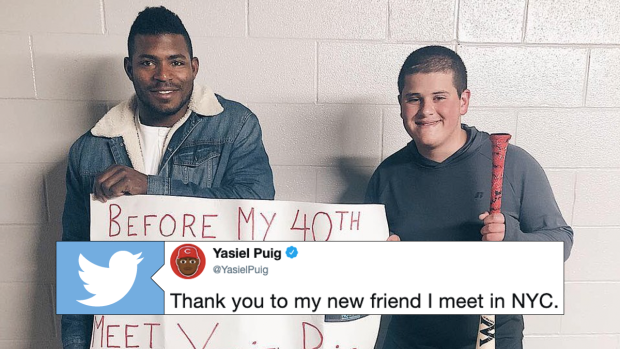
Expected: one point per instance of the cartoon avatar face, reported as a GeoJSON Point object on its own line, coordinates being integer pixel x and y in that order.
{"type": "Point", "coordinates": [188, 265]}
{"type": "Point", "coordinates": [188, 260]}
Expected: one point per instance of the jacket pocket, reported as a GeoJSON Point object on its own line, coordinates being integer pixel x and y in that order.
{"type": "Point", "coordinates": [196, 164]}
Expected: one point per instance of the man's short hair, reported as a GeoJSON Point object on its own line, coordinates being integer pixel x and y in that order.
{"type": "Point", "coordinates": [157, 21]}
{"type": "Point", "coordinates": [434, 59]}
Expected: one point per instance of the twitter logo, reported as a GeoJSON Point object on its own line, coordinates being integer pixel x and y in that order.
{"type": "Point", "coordinates": [106, 277]}
{"type": "Point", "coordinates": [109, 285]}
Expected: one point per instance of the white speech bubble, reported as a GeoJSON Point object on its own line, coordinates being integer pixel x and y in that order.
{"type": "Point", "coordinates": [368, 278]}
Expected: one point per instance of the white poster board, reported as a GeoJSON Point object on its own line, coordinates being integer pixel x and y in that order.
{"type": "Point", "coordinates": [167, 218]}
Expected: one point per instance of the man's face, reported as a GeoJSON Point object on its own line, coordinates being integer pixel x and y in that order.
{"type": "Point", "coordinates": [163, 76]}
{"type": "Point", "coordinates": [188, 266]}
{"type": "Point", "coordinates": [431, 110]}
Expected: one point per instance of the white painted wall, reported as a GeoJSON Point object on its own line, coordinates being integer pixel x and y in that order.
{"type": "Point", "coordinates": [321, 76]}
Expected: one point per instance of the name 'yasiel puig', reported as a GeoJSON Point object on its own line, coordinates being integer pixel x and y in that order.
{"type": "Point", "coordinates": [245, 253]}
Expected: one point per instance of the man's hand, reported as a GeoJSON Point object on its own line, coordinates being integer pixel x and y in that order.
{"type": "Point", "coordinates": [494, 228]}
{"type": "Point", "coordinates": [393, 237]}
{"type": "Point", "coordinates": [119, 180]}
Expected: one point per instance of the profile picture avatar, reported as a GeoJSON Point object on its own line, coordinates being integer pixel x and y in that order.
{"type": "Point", "coordinates": [187, 261]}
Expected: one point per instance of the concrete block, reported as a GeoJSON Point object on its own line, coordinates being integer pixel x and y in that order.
{"type": "Point", "coordinates": [603, 77]}
{"type": "Point", "coordinates": [579, 21]}
{"type": "Point", "coordinates": [315, 135]}
{"type": "Point", "coordinates": [343, 184]}
{"type": "Point", "coordinates": [219, 18]}
{"type": "Point", "coordinates": [54, 124]}
{"type": "Point", "coordinates": [27, 312]}
{"type": "Point", "coordinates": [264, 71]}
{"type": "Point", "coordinates": [596, 198]}
{"type": "Point", "coordinates": [18, 81]}
{"type": "Point", "coordinates": [325, 19]}
{"type": "Point", "coordinates": [542, 324]}
{"type": "Point", "coordinates": [571, 342]}
{"type": "Point", "coordinates": [67, 16]}
{"type": "Point", "coordinates": [360, 73]}
{"type": "Point", "coordinates": [295, 183]}
{"type": "Point", "coordinates": [22, 198]}
{"type": "Point", "coordinates": [563, 185]}
{"type": "Point", "coordinates": [502, 21]}
{"type": "Point", "coordinates": [492, 120]}
{"type": "Point", "coordinates": [422, 20]}
{"type": "Point", "coordinates": [28, 344]}
{"type": "Point", "coordinates": [591, 308]}
{"type": "Point", "coordinates": [525, 76]}
{"type": "Point", "coordinates": [81, 67]}
{"type": "Point", "coordinates": [395, 137]}
{"type": "Point", "coordinates": [595, 255]}
{"type": "Point", "coordinates": [551, 137]}
{"type": "Point", "coordinates": [28, 254]}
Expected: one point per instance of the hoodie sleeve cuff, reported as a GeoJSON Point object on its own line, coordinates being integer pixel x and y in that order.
{"type": "Point", "coordinates": [512, 228]}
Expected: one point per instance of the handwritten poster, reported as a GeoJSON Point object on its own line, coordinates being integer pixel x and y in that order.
{"type": "Point", "coordinates": [167, 218]}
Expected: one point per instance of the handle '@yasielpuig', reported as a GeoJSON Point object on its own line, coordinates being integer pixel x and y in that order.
{"type": "Point", "coordinates": [499, 143]}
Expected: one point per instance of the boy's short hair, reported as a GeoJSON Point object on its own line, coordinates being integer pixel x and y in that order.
{"type": "Point", "coordinates": [157, 21]}
{"type": "Point", "coordinates": [434, 59]}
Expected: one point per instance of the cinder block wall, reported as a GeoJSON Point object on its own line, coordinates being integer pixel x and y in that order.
{"type": "Point", "coordinates": [321, 76]}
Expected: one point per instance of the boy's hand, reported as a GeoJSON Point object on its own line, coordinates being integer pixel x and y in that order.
{"type": "Point", "coordinates": [494, 228]}
{"type": "Point", "coordinates": [393, 237]}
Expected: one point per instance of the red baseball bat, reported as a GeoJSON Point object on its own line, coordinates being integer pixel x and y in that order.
{"type": "Point", "coordinates": [499, 143]}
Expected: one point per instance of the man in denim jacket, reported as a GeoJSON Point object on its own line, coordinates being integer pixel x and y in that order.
{"type": "Point", "coordinates": [171, 138]}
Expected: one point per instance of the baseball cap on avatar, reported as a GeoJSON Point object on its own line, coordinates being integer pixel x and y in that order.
{"type": "Point", "coordinates": [188, 251]}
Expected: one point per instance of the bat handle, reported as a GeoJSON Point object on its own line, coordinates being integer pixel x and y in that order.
{"type": "Point", "coordinates": [499, 143]}
{"type": "Point", "coordinates": [486, 332]}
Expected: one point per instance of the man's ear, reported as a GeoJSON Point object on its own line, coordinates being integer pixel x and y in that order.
{"type": "Point", "coordinates": [465, 101]}
{"type": "Point", "coordinates": [128, 68]}
{"type": "Point", "coordinates": [195, 66]}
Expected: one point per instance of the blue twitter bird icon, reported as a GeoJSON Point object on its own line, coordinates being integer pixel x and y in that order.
{"type": "Point", "coordinates": [109, 285]}
{"type": "Point", "coordinates": [109, 277]}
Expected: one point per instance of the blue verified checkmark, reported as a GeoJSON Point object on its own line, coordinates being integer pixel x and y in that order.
{"type": "Point", "coordinates": [291, 252]}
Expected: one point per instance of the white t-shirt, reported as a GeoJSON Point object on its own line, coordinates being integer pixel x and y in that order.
{"type": "Point", "coordinates": [152, 142]}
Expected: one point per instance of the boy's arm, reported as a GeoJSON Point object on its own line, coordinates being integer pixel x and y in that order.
{"type": "Point", "coordinates": [539, 218]}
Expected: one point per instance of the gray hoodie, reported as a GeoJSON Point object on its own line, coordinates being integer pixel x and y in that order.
{"type": "Point", "coordinates": [430, 201]}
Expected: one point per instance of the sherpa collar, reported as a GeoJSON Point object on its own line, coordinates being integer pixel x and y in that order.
{"type": "Point", "coordinates": [120, 122]}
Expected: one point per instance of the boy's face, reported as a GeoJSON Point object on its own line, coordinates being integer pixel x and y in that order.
{"type": "Point", "coordinates": [431, 110]}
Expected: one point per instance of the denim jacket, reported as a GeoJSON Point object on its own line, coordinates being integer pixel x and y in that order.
{"type": "Point", "coordinates": [216, 151]}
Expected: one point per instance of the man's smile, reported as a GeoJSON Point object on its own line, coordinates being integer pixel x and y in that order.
{"type": "Point", "coordinates": [164, 94]}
